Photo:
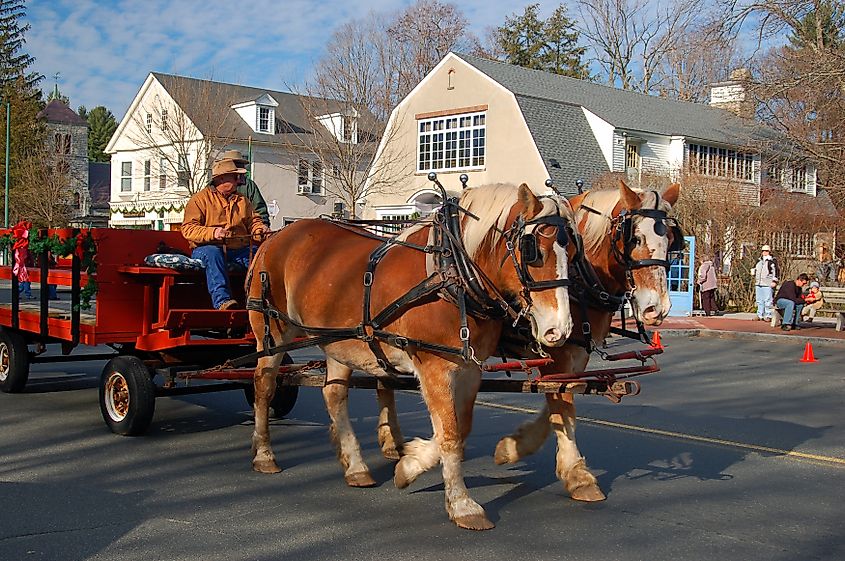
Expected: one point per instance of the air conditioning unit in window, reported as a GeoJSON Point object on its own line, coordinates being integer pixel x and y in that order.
{"type": "Point", "coordinates": [303, 189]}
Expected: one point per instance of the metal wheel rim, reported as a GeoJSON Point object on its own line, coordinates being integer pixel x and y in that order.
{"type": "Point", "coordinates": [4, 362]}
{"type": "Point", "coordinates": [117, 397]}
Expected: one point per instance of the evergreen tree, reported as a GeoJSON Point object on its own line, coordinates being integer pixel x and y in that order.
{"type": "Point", "coordinates": [82, 112]}
{"type": "Point", "coordinates": [14, 61]}
{"type": "Point", "coordinates": [101, 127]}
{"type": "Point", "coordinates": [550, 45]}
{"type": "Point", "coordinates": [821, 28]}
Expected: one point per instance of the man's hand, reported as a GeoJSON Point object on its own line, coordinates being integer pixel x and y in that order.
{"type": "Point", "coordinates": [221, 233]}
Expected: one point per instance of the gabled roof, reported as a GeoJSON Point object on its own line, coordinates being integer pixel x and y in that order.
{"type": "Point", "coordinates": [623, 109]}
{"type": "Point", "coordinates": [217, 98]}
{"type": "Point", "coordinates": [58, 112]}
{"type": "Point", "coordinates": [567, 145]}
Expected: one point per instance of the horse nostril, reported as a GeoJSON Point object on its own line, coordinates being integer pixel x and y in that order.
{"type": "Point", "coordinates": [650, 313]}
{"type": "Point", "coordinates": [553, 335]}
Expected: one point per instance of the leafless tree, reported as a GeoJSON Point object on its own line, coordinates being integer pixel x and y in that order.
{"type": "Point", "coordinates": [699, 58]}
{"type": "Point", "coordinates": [631, 39]}
{"type": "Point", "coordinates": [185, 129]}
{"type": "Point", "coordinates": [44, 193]}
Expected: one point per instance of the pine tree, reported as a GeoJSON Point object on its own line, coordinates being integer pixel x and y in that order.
{"type": "Point", "coordinates": [550, 45]}
{"type": "Point", "coordinates": [14, 62]}
{"type": "Point", "coordinates": [101, 127]}
{"type": "Point", "coordinates": [821, 28]}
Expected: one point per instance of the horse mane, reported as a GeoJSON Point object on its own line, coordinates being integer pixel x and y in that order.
{"type": "Point", "coordinates": [492, 205]}
{"type": "Point", "coordinates": [604, 200]}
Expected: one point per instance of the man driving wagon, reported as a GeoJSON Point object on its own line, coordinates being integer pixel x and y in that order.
{"type": "Point", "coordinates": [219, 224]}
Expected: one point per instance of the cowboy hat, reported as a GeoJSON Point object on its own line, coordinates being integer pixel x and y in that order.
{"type": "Point", "coordinates": [222, 167]}
{"type": "Point", "coordinates": [236, 155]}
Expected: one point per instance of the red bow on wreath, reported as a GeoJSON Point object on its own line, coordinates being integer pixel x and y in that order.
{"type": "Point", "coordinates": [20, 232]}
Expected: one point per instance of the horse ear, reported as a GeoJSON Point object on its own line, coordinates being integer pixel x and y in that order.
{"type": "Point", "coordinates": [628, 198]}
{"type": "Point", "coordinates": [576, 201]}
{"type": "Point", "coordinates": [529, 200]}
{"type": "Point", "coordinates": [670, 195]}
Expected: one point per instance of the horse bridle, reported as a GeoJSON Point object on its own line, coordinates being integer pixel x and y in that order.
{"type": "Point", "coordinates": [529, 250]}
{"type": "Point", "coordinates": [623, 231]}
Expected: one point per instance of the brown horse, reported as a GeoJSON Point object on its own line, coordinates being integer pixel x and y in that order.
{"type": "Point", "coordinates": [312, 273]}
{"type": "Point", "coordinates": [638, 267]}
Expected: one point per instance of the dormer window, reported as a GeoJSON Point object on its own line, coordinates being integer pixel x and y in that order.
{"type": "Point", "coordinates": [343, 126]}
{"type": "Point", "coordinates": [264, 119]}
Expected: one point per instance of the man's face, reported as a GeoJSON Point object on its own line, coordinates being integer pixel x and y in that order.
{"type": "Point", "coordinates": [765, 253]}
{"type": "Point", "coordinates": [227, 183]}
{"type": "Point", "coordinates": [800, 283]}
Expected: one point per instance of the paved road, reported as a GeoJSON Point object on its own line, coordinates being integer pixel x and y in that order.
{"type": "Point", "coordinates": [69, 490]}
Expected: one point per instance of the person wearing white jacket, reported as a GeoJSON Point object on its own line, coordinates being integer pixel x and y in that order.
{"type": "Point", "coordinates": [765, 280]}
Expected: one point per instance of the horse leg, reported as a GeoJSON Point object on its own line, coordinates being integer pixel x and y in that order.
{"type": "Point", "coordinates": [571, 468]}
{"type": "Point", "coordinates": [389, 434]}
{"type": "Point", "coordinates": [336, 394]}
{"type": "Point", "coordinates": [437, 378]}
{"type": "Point", "coordinates": [263, 459]}
{"type": "Point", "coordinates": [527, 439]}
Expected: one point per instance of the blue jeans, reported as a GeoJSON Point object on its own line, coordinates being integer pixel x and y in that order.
{"type": "Point", "coordinates": [215, 261]}
{"type": "Point", "coordinates": [25, 289]}
{"type": "Point", "coordinates": [791, 310]}
{"type": "Point", "coordinates": [764, 301]}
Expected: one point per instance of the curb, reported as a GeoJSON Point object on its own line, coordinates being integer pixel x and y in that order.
{"type": "Point", "coordinates": [748, 336]}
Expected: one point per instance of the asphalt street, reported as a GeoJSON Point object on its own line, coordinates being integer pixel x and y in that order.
{"type": "Point", "coordinates": [735, 450]}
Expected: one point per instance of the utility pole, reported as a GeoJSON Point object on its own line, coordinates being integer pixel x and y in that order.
{"type": "Point", "coordinates": [6, 199]}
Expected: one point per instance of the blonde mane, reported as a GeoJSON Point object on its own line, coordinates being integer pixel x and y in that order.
{"type": "Point", "coordinates": [604, 200]}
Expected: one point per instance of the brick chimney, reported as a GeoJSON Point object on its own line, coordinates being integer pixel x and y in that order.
{"type": "Point", "coordinates": [732, 95]}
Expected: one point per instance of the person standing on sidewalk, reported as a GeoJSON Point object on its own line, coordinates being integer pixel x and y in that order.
{"type": "Point", "coordinates": [707, 284]}
{"type": "Point", "coordinates": [790, 297]}
{"type": "Point", "coordinates": [765, 280]}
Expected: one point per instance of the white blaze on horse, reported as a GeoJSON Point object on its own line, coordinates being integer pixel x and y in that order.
{"type": "Point", "coordinates": [628, 238]}
{"type": "Point", "coordinates": [309, 276]}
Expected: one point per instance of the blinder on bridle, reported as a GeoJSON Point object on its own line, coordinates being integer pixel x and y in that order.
{"type": "Point", "coordinates": [663, 225]}
{"type": "Point", "coordinates": [529, 246]}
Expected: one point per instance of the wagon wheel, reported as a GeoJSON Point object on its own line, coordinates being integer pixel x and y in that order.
{"type": "Point", "coordinates": [127, 396]}
{"type": "Point", "coordinates": [284, 400]}
{"type": "Point", "coordinates": [14, 361]}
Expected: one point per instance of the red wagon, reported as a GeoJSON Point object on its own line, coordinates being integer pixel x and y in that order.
{"type": "Point", "coordinates": [165, 338]}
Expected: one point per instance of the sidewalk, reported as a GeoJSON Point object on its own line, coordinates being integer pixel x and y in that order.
{"type": "Point", "coordinates": [745, 326]}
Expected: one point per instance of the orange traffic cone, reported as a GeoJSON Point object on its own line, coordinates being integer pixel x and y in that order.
{"type": "Point", "coordinates": [655, 341]}
{"type": "Point", "coordinates": [808, 353]}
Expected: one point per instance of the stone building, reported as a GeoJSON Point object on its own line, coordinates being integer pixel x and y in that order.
{"type": "Point", "coordinates": [67, 141]}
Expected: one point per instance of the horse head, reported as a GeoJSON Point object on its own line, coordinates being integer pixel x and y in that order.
{"type": "Point", "coordinates": [629, 238]}
{"type": "Point", "coordinates": [646, 239]}
{"type": "Point", "coordinates": [523, 246]}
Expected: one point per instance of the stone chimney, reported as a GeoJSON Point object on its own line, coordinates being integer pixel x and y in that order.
{"type": "Point", "coordinates": [732, 95]}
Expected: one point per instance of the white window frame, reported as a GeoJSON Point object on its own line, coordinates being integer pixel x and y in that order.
{"type": "Point", "coordinates": [148, 175]}
{"type": "Point", "coordinates": [269, 128]}
{"type": "Point", "coordinates": [727, 163]}
{"type": "Point", "coordinates": [149, 123]}
{"type": "Point", "coordinates": [310, 177]}
{"type": "Point", "coordinates": [165, 126]}
{"type": "Point", "coordinates": [126, 177]}
{"type": "Point", "coordinates": [632, 156]}
{"type": "Point", "coordinates": [452, 142]}
{"type": "Point", "coordinates": [162, 173]}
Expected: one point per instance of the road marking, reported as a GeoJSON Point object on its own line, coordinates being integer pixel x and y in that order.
{"type": "Point", "coordinates": [680, 435]}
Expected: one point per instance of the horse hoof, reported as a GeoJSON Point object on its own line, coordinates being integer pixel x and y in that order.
{"type": "Point", "coordinates": [391, 453]}
{"type": "Point", "coordinates": [474, 522]}
{"type": "Point", "coordinates": [266, 466]}
{"type": "Point", "coordinates": [360, 479]}
{"type": "Point", "coordinates": [506, 451]}
{"type": "Point", "coordinates": [588, 494]}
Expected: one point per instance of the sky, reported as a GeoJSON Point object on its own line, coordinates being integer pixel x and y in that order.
{"type": "Point", "coordinates": [103, 50]}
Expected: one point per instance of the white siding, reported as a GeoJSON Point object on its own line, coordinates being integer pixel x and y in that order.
{"type": "Point", "coordinates": [603, 132]}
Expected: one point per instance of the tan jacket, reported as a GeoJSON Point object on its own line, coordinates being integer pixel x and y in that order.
{"type": "Point", "coordinates": [208, 210]}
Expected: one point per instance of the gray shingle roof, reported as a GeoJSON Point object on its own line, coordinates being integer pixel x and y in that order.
{"type": "Point", "coordinates": [201, 98]}
{"type": "Point", "coordinates": [566, 142]}
{"type": "Point", "coordinates": [621, 108]}
{"type": "Point", "coordinates": [58, 112]}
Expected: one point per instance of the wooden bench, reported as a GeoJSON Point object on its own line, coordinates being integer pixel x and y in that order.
{"type": "Point", "coordinates": [834, 303]}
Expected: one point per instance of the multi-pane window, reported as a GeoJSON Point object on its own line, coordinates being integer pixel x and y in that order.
{"type": "Point", "coordinates": [165, 126]}
{"type": "Point", "coordinates": [125, 177]}
{"type": "Point", "coordinates": [799, 179]}
{"type": "Point", "coordinates": [263, 119]}
{"type": "Point", "coordinates": [310, 177]}
{"type": "Point", "coordinates": [454, 142]}
{"type": "Point", "coordinates": [148, 175]}
{"type": "Point", "coordinates": [162, 173]}
{"type": "Point", "coordinates": [182, 174]}
{"type": "Point", "coordinates": [721, 162]}
{"type": "Point", "coordinates": [632, 156]}
{"type": "Point", "coordinates": [149, 123]}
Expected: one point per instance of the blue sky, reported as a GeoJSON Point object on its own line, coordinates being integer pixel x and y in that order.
{"type": "Point", "coordinates": [103, 50]}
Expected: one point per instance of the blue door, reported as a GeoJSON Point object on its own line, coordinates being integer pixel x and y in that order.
{"type": "Point", "coordinates": [681, 279]}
